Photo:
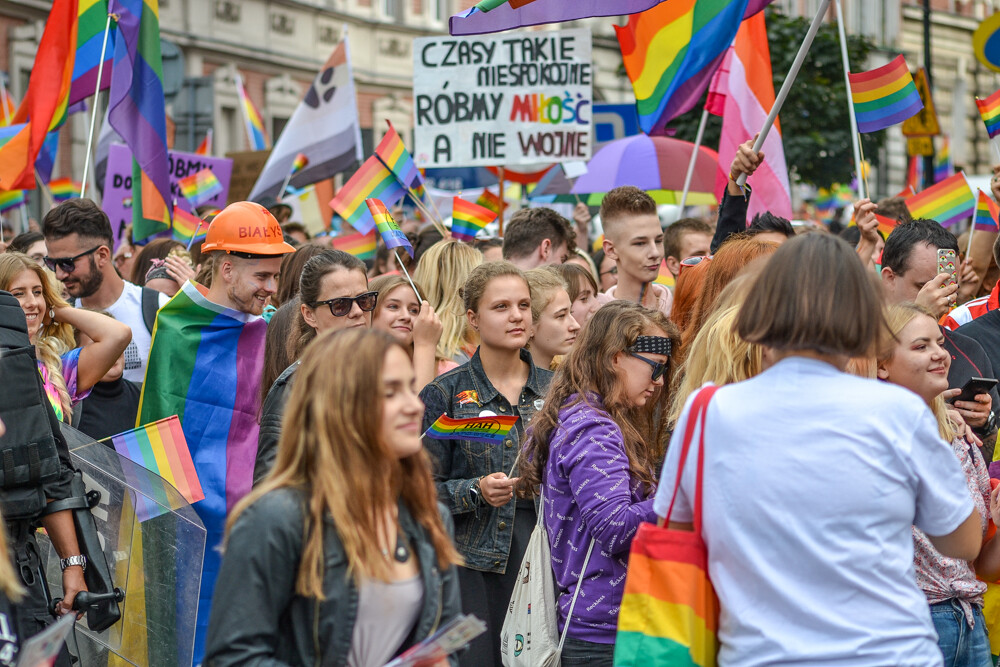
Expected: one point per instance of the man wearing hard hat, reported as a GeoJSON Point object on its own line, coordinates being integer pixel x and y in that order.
{"type": "Point", "coordinates": [205, 365]}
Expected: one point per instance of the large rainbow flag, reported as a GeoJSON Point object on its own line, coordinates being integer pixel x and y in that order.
{"type": "Point", "coordinates": [136, 111]}
{"type": "Point", "coordinates": [372, 180]}
{"type": "Point", "coordinates": [948, 202]}
{"type": "Point", "coordinates": [884, 96]}
{"type": "Point", "coordinates": [92, 16]}
{"type": "Point", "coordinates": [672, 50]}
{"type": "Point", "coordinates": [205, 365]}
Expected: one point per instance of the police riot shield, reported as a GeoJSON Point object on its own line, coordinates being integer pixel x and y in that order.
{"type": "Point", "coordinates": [154, 544]}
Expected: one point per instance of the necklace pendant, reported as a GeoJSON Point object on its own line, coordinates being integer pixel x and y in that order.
{"type": "Point", "coordinates": [402, 553]}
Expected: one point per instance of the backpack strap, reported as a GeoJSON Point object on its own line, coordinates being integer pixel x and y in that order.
{"type": "Point", "coordinates": [572, 603]}
{"type": "Point", "coordinates": [150, 304]}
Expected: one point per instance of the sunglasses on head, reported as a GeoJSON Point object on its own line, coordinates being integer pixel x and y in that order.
{"type": "Point", "coordinates": [67, 264]}
{"type": "Point", "coordinates": [694, 261]}
{"type": "Point", "coordinates": [342, 305]}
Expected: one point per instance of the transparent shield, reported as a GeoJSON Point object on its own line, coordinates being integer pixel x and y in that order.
{"type": "Point", "coordinates": [154, 544]}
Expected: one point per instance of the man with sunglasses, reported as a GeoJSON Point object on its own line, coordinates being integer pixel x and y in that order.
{"type": "Point", "coordinates": [80, 244]}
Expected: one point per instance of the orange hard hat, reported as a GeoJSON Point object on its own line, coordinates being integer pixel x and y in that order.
{"type": "Point", "coordinates": [247, 228]}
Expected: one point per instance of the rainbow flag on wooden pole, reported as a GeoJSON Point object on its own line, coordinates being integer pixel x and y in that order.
{"type": "Point", "coordinates": [884, 96]}
{"type": "Point", "coordinates": [948, 202]}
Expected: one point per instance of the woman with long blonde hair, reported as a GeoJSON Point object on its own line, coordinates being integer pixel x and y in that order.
{"type": "Point", "coordinates": [915, 358]}
{"type": "Point", "coordinates": [442, 270]}
{"type": "Point", "coordinates": [342, 555]}
{"type": "Point", "coordinates": [68, 372]}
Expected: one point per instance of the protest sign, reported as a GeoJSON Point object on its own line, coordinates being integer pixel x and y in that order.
{"type": "Point", "coordinates": [117, 201]}
{"type": "Point", "coordinates": [247, 166]}
{"type": "Point", "coordinates": [512, 99]}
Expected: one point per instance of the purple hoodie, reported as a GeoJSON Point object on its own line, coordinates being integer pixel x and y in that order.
{"type": "Point", "coordinates": [589, 494]}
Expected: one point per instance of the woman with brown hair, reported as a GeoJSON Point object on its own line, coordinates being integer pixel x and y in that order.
{"type": "Point", "coordinates": [814, 477]}
{"type": "Point", "coordinates": [414, 324]}
{"type": "Point", "coordinates": [593, 451]}
{"type": "Point", "coordinates": [342, 555]}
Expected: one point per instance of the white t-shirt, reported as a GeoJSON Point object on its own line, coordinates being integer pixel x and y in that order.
{"type": "Point", "coordinates": [813, 478]}
{"type": "Point", "coordinates": [128, 309]}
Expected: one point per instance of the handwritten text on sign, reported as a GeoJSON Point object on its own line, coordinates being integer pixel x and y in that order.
{"type": "Point", "coordinates": [516, 98]}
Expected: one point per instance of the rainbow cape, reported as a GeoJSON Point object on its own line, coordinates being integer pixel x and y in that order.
{"type": "Point", "coordinates": [884, 96]}
{"type": "Point", "coordinates": [989, 110]}
{"type": "Point", "coordinates": [205, 366]}
{"type": "Point", "coordinates": [392, 235]}
{"type": "Point", "coordinates": [467, 219]}
{"type": "Point", "coordinates": [372, 180]}
{"type": "Point", "coordinates": [483, 429]}
{"type": "Point", "coordinates": [361, 246]}
{"type": "Point", "coordinates": [987, 214]}
{"type": "Point", "coordinates": [199, 188]}
{"type": "Point", "coordinates": [948, 202]}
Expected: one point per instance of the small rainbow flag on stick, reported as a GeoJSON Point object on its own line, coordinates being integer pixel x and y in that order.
{"type": "Point", "coordinates": [160, 447]}
{"type": "Point", "coordinates": [467, 219]}
{"type": "Point", "coordinates": [11, 199]}
{"type": "Point", "coordinates": [490, 201]}
{"type": "Point", "coordinates": [987, 214]}
{"type": "Point", "coordinates": [299, 163]}
{"type": "Point", "coordinates": [392, 235]}
{"type": "Point", "coordinates": [360, 245]}
{"type": "Point", "coordinates": [199, 188]}
{"type": "Point", "coordinates": [371, 180]}
{"type": "Point", "coordinates": [64, 189]}
{"type": "Point", "coordinates": [483, 429]}
{"type": "Point", "coordinates": [884, 96]}
{"type": "Point", "coordinates": [187, 228]}
{"type": "Point", "coordinates": [886, 224]}
{"type": "Point", "coordinates": [989, 110]}
{"type": "Point", "coordinates": [393, 154]}
{"type": "Point", "coordinates": [947, 202]}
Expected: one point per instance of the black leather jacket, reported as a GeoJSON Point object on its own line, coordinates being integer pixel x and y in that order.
{"type": "Point", "coordinates": [258, 619]}
{"type": "Point", "coordinates": [270, 423]}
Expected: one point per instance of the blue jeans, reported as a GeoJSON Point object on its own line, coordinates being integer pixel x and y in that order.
{"type": "Point", "coordinates": [961, 645]}
{"type": "Point", "coordinates": [580, 652]}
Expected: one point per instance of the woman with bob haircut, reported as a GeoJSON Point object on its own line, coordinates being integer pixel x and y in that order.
{"type": "Point", "coordinates": [807, 510]}
{"type": "Point", "coordinates": [592, 451]}
{"type": "Point", "coordinates": [342, 556]}
{"type": "Point", "coordinates": [553, 328]}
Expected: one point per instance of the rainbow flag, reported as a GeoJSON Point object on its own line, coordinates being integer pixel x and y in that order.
{"type": "Point", "coordinates": [989, 110]}
{"type": "Point", "coordinates": [205, 366]}
{"type": "Point", "coordinates": [672, 50]}
{"type": "Point", "coordinates": [497, 15]}
{"type": "Point", "coordinates": [361, 246]}
{"type": "Point", "coordinates": [92, 17]}
{"type": "Point", "coordinates": [205, 147]}
{"type": "Point", "coordinates": [482, 429]}
{"type": "Point", "coordinates": [200, 188]}
{"type": "Point", "coordinates": [467, 219]}
{"type": "Point", "coordinates": [947, 202]}
{"type": "Point", "coordinates": [64, 189]}
{"type": "Point", "coordinates": [886, 224]}
{"type": "Point", "coordinates": [372, 180]}
{"type": "Point", "coordinates": [915, 174]}
{"type": "Point", "coordinates": [299, 163]}
{"type": "Point", "coordinates": [136, 111]}
{"type": "Point", "coordinates": [490, 201]}
{"type": "Point", "coordinates": [256, 133]}
{"type": "Point", "coordinates": [161, 448]}
{"type": "Point", "coordinates": [664, 277]}
{"type": "Point", "coordinates": [187, 228]}
{"type": "Point", "coordinates": [11, 199]}
{"type": "Point", "coordinates": [987, 214]}
{"type": "Point", "coordinates": [884, 96]}
{"type": "Point", "coordinates": [943, 167]}
{"type": "Point", "coordinates": [392, 235]}
{"type": "Point", "coordinates": [393, 154]}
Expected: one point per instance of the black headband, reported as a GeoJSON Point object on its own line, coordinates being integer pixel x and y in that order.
{"type": "Point", "coordinates": [652, 345]}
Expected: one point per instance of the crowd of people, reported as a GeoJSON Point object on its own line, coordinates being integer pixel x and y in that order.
{"type": "Point", "coordinates": [846, 504]}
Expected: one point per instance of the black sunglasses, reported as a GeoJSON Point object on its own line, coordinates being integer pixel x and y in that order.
{"type": "Point", "coordinates": [67, 264]}
{"type": "Point", "coordinates": [658, 368]}
{"type": "Point", "coordinates": [342, 304]}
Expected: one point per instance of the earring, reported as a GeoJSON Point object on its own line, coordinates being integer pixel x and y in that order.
{"type": "Point", "coordinates": [52, 314]}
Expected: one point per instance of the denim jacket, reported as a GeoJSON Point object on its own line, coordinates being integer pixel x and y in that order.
{"type": "Point", "coordinates": [483, 533]}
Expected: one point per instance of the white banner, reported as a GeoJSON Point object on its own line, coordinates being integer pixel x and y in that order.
{"type": "Point", "coordinates": [502, 100]}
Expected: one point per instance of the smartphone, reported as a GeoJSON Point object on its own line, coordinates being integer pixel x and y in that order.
{"type": "Point", "coordinates": [973, 387]}
{"type": "Point", "coordinates": [948, 263]}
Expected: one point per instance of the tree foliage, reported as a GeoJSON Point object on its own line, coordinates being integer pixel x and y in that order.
{"type": "Point", "coordinates": [815, 127]}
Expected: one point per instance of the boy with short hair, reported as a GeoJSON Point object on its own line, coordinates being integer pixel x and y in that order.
{"type": "Point", "coordinates": [633, 238]}
{"type": "Point", "coordinates": [688, 237]}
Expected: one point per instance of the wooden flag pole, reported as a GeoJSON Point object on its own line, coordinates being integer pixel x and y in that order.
{"type": "Point", "coordinates": [93, 113]}
{"type": "Point", "coordinates": [855, 136]}
{"type": "Point", "coordinates": [793, 72]}
{"type": "Point", "coordinates": [407, 274]}
{"type": "Point", "coordinates": [435, 220]}
{"type": "Point", "coordinates": [500, 216]}
{"type": "Point", "coordinates": [692, 161]}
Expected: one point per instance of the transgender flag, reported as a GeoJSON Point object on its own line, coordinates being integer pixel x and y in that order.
{"type": "Point", "coordinates": [745, 95]}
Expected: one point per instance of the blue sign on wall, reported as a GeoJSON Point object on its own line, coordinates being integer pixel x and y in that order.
{"type": "Point", "coordinates": [614, 121]}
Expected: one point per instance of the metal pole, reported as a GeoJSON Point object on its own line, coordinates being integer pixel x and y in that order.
{"type": "Point", "coordinates": [93, 114]}
{"type": "Point", "coordinates": [928, 159]}
{"type": "Point", "coordinates": [793, 72]}
{"type": "Point", "coordinates": [693, 160]}
{"type": "Point", "coordinates": [855, 137]}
